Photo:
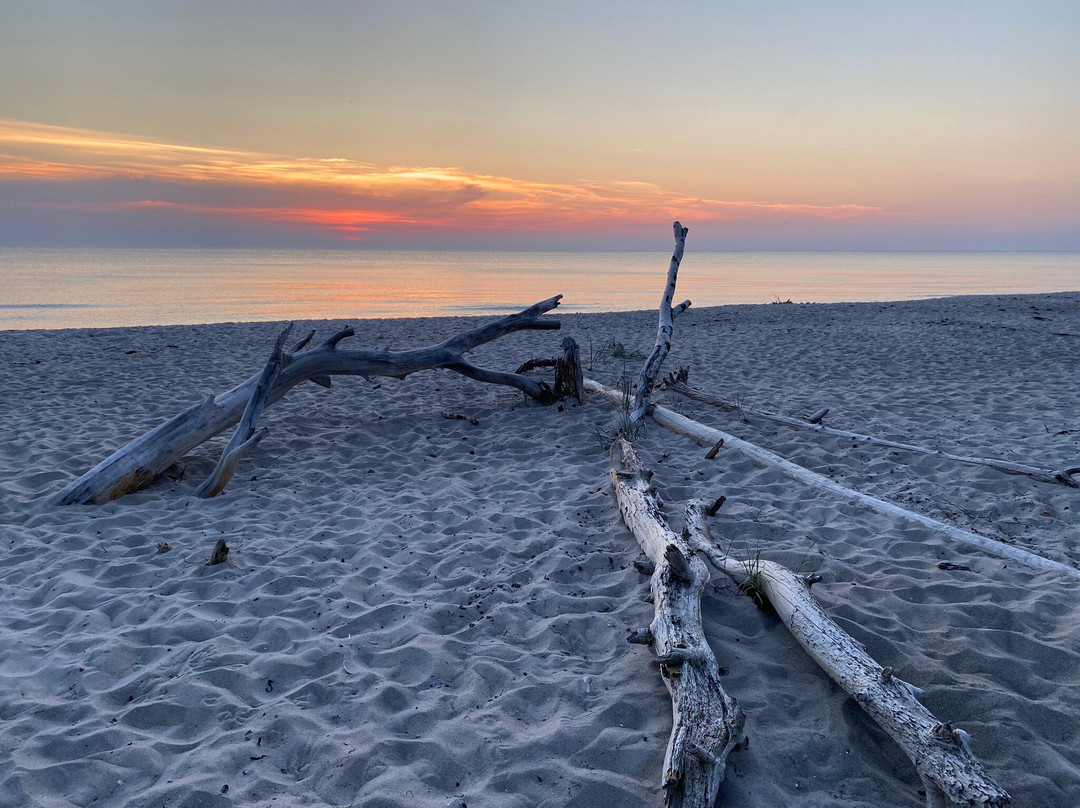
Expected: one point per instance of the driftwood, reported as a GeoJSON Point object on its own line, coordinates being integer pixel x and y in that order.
{"type": "Point", "coordinates": [676, 383]}
{"type": "Point", "coordinates": [568, 373]}
{"type": "Point", "coordinates": [245, 438]}
{"type": "Point", "coordinates": [135, 465]}
{"type": "Point", "coordinates": [941, 753]}
{"type": "Point", "coordinates": [569, 379]}
{"type": "Point", "coordinates": [219, 555]}
{"type": "Point", "coordinates": [651, 369]}
{"type": "Point", "coordinates": [709, 436]}
{"type": "Point", "coordinates": [707, 722]}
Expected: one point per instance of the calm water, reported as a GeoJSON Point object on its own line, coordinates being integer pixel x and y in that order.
{"type": "Point", "coordinates": [75, 288]}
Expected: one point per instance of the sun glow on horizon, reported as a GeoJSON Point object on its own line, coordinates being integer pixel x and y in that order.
{"type": "Point", "coordinates": [109, 174]}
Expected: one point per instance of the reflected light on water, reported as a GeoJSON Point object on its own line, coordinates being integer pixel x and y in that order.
{"type": "Point", "coordinates": [60, 288]}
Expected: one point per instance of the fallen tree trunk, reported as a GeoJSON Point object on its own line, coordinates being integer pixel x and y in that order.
{"type": "Point", "coordinates": [135, 465]}
{"type": "Point", "coordinates": [709, 436]}
{"type": "Point", "coordinates": [1063, 477]}
{"type": "Point", "coordinates": [949, 771]}
{"type": "Point", "coordinates": [707, 722]}
{"type": "Point", "coordinates": [651, 369]}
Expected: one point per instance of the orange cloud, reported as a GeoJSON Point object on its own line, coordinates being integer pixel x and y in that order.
{"type": "Point", "coordinates": [351, 197]}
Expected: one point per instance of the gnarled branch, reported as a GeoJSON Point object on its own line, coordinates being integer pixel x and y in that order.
{"type": "Point", "coordinates": [707, 722]}
{"type": "Point", "coordinates": [135, 465]}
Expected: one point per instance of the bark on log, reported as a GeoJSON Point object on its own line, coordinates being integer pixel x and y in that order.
{"type": "Point", "coordinates": [245, 438]}
{"type": "Point", "coordinates": [707, 722]}
{"type": "Point", "coordinates": [568, 373]}
{"type": "Point", "coordinates": [941, 754]}
{"type": "Point", "coordinates": [569, 379]}
{"type": "Point", "coordinates": [651, 369]}
{"type": "Point", "coordinates": [676, 383]}
{"type": "Point", "coordinates": [135, 465]}
{"type": "Point", "coordinates": [708, 436]}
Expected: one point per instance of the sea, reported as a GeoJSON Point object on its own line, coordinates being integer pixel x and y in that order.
{"type": "Point", "coordinates": [52, 288]}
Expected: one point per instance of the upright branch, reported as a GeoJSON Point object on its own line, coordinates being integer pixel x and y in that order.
{"type": "Point", "coordinates": [707, 722]}
{"type": "Point", "coordinates": [135, 465]}
{"type": "Point", "coordinates": [651, 369]}
{"type": "Point", "coordinates": [941, 753]}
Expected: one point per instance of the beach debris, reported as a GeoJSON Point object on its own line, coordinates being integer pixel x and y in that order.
{"type": "Point", "coordinates": [817, 416]}
{"type": "Point", "coordinates": [708, 723]}
{"type": "Point", "coordinates": [137, 464]}
{"type": "Point", "coordinates": [707, 436]}
{"type": "Point", "coordinates": [948, 565]}
{"type": "Point", "coordinates": [568, 373]}
{"type": "Point", "coordinates": [457, 416]}
{"type": "Point", "coordinates": [163, 547]}
{"type": "Point", "coordinates": [715, 450]}
{"type": "Point", "coordinates": [220, 553]}
{"type": "Point", "coordinates": [942, 755]}
{"type": "Point", "coordinates": [245, 438]}
{"type": "Point", "coordinates": [677, 383]}
{"type": "Point", "coordinates": [651, 369]}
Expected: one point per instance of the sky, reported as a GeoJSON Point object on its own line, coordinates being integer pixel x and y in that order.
{"type": "Point", "coordinates": [761, 125]}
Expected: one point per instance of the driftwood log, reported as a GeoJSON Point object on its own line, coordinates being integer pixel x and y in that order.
{"type": "Point", "coordinates": [135, 465]}
{"type": "Point", "coordinates": [676, 383]}
{"type": "Point", "coordinates": [651, 369]}
{"type": "Point", "coordinates": [941, 753]}
{"type": "Point", "coordinates": [707, 722]}
{"type": "Point", "coordinates": [710, 436]}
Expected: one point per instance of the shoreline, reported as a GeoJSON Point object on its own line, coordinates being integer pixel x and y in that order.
{"type": "Point", "coordinates": [565, 309]}
{"type": "Point", "coordinates": [439, 610]}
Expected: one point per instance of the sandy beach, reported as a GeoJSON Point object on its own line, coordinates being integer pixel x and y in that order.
{"type": "Point", "coordinates": [423, 611]}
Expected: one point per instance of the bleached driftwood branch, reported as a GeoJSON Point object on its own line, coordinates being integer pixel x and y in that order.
{"type": "Point", "coordinates": [710, 436]}
{"type": "Point", "coordinates": [245, 438]}
{"type": "Point", "coordinates": [707, 722]}
{"type": "Point", "coordinates": [135, 465]}
{"type": "Point", "coordinates": [651, 369]}
{"type": "Point", "coordinates": [675, 384]}
{"type": "Point", "coordinates": [950, 772]}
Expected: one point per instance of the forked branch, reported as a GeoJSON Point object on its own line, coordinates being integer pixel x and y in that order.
{"type": "Point", "coordinates": [941, 753]}
{"type": "Point", "coordinates": [135, 465]}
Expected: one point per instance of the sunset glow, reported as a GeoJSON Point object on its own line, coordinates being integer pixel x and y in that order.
{"type": "Point", "coordinates": [343, 196]}
{"type": "Point", "coordinates": [546, 126]}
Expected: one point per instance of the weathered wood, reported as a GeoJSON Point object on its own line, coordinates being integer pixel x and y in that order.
{"type": "Point", "coordinates": [219, 554]}
{"type": "Point", "coordinates": [676, 383]}
{"type": "Point", "coordinates": [245, 438]}
{"type": "Point", "coordinates": [651, 369]}
{"type": "Point", "coordinates": [568, 374]}
{"type": "Point", "coordinates": [457, 416]}
{"type": "Point", "coordinates": [941, 754]}
{"type": "Point", "coordinates": [707, 722]}
{"type": "Point", "coordinates": [708, 436]}
{"type": "Point", "coordinates": [135, 465]}
{"type": "Point", "coordinates": [533, 364]}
